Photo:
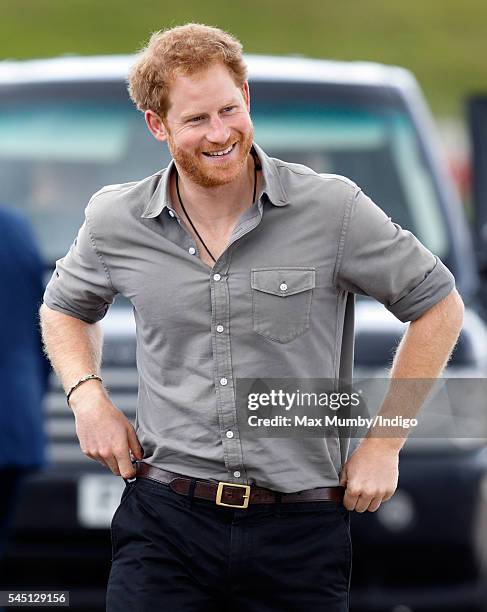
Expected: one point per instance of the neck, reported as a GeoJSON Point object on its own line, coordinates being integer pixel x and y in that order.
{"type": "Point", "coordinates": [215, 205]}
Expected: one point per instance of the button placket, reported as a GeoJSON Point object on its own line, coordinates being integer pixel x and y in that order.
{"type": "Point", "coordinates": [220, 318]}
{"type": "Point", "coordinates": [224, 384]}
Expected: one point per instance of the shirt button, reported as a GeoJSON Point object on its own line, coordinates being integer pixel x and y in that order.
{"type": "Point", "coordinates": [223, 381]}
{"type": "Point", "coordinates": [236, 474]}
{"type": "Point", "coordinates": [229, 434]}
{"type": "Point", "coordinates": [283, 287]}
{"type": "Point", "coordinates": [192, 250]}
{"type": "Point", "coordinates": [171, 214]}
{"type": "Point", "coordinates": [219, 328]}
{"type": "Point", "coordinates": [216, 277]}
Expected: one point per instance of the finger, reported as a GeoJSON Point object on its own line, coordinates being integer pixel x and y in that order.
{"type": "Point", "coordinates": [113, 465]}
{"type": "Point", "coordinates": [374, 504]}
{"type": "Point", "coordinates": [94, 456]}
{"type": "Point", "coordinates": [363, 503]}
{"type": "Point", "coordinates": [109, 462]}
{"type": "Point", "coordinates": [388, 495]}
{"type": "Point", "coordinates": [350, 500]}
{"type": "Point", "coordinates": [134, 444]}
{"type": "Point", "coordinates": [126, 469]}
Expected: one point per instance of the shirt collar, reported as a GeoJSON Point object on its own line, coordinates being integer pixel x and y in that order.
{"type": "Point", "coordinates": [272, 186]}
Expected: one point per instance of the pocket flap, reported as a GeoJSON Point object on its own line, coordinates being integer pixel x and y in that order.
{"type": "Point", "coordinates": [282, 281]}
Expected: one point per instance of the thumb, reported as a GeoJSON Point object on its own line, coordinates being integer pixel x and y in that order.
{"type": "Point", "coordinates": [134, 444]}
{"type": "Point", "coordinates": [343, 476]}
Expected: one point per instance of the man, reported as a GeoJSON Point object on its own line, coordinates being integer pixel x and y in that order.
{"type": "Point", "coordinates": [24, 371]}
{"type": "Point", "coordinates": [238, 266]}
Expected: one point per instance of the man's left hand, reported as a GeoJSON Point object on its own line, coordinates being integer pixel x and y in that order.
{"type": "Point", "coordinates": [370, 475]}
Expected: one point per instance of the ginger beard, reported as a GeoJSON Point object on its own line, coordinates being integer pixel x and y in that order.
{"type": "Point", "coordinates": [202, 170]}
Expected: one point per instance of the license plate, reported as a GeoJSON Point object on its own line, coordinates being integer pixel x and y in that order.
{"type": "Point", "coordinates": [98, 498]}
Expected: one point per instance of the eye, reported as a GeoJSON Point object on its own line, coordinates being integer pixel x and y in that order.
{"type": "Point", "coordinates": [229, 108]}
{"type": "Point", "coordinates": [195, 119]}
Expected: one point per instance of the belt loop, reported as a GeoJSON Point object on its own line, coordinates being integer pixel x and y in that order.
{"type": "Point", "coordinates": [192, 487]}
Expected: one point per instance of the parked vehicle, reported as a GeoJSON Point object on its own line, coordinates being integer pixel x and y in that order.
{"type": "Point", "coordinates": [67, 127]}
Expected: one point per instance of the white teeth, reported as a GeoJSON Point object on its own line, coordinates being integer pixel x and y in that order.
{"type": "Point", "coordinates": [221, 152]}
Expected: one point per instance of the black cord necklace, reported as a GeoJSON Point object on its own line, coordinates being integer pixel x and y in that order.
{"type": "Point", "coordinates": [188, 217]}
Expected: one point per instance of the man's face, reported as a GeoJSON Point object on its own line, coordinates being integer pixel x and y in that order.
{"type": "Point", "coordinates": [209, 114]}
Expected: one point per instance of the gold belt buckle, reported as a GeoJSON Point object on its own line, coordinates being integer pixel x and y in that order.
{"type": "Point", "coordinates": [219, 493]}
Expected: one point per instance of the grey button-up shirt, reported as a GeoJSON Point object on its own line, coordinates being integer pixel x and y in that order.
{"type": "Point", "coordinates": [278, 303]}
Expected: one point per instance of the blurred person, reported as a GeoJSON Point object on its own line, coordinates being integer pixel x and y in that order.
{"type": "Point", "coordinates": [24, 370]}
{"type": "Point", "coordinates": [237, 265]}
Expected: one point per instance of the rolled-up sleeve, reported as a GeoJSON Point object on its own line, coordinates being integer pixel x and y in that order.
{"type": "Point", "coordinates": [376, 257]}
{"type": "Point", "coordinates": [80, 285]}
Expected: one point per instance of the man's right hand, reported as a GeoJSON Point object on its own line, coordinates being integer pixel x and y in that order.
{"type": "Point", "coordinates": [104, 433]}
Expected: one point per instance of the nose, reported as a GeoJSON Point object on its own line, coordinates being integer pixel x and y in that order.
{"type": "Point", "coordinates": [218, 132]}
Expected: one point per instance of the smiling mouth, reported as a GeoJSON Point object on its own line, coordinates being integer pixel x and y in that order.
{"type": "Point", "coordinates": [222, 153]}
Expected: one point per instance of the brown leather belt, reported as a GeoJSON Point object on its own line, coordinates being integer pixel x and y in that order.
{"type": "Point", "coordinates": [234, 495]}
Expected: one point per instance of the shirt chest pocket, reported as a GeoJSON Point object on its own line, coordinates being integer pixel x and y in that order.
{"type": "Point", "coordinates": [281, 301]}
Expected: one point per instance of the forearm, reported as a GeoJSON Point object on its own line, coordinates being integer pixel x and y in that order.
{"type": "Point", "coordinates": [428, 342]}
{"type": "Point", "coordinates": [420, 359]}
{"type": "Point", "coordinates": [73, 347]}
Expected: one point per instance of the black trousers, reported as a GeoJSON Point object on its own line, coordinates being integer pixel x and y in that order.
{"type": "Point", "coordinates": [176, 554]}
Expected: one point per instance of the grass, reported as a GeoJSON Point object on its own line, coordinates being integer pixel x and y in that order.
{"type": "Point", "coordinates": [442, 41]}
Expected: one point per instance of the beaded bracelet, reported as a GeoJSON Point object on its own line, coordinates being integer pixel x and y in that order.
{"type": "Point", "coordinates": [80, 382]}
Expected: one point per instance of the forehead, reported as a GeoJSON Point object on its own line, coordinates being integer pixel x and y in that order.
{"type": "Point", "coordinates": [194, 92]}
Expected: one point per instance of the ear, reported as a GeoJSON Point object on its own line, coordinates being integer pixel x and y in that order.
{"type": "Point", "coordinates": [155, 125]}
{"type": "Point", "coordinates": [246, 95]}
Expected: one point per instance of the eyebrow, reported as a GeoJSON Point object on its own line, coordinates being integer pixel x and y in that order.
{"type": "Point", "coordinates": [187, 116]}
